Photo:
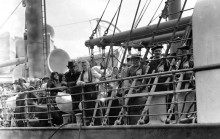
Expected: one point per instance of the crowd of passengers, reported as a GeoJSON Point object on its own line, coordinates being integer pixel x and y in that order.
{"type": "Point", "coordinates": [74, 79]}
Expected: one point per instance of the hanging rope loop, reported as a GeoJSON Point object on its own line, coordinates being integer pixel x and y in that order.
{"type": "Point", "coordinates": [97, 25]}
{"type": "Point", "coordinates": [107, 29]}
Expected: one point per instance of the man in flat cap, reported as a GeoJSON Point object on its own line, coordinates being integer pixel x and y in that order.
{"type": "Point", "coordinates": [186, 62]}
{"type": "Point", "coordinates": [134, 70]}
{"type": "Point", "coordinates": [158, 65]}
{"type": "Point", "coordinates": [156, 51]}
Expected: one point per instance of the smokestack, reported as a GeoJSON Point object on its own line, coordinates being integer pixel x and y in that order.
{"type": "Point", "coordinates": [33, 15]}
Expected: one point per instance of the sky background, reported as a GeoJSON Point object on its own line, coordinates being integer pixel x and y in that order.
{"type": "Point", "coordinates": [73, 20]}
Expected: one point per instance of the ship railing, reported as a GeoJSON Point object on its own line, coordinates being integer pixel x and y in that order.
{"type": "Point", "coordinates": [117, 106]}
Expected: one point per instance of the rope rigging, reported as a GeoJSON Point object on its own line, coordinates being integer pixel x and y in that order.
{"type": "Point", "coordinates": [11, 14]}
{"type": "Point", "coordinates": [105, 33]}
{"type": "Point", "coordinates": [69, 24]}
{"type": "Point", "coordinates": [142, 13]}
{"type": "Point", "coordinates": [111, 47]}
{"type": "Point", "coordinates": [91, 49]}
{"type": "Point", "coordinates": [94, 31]}
{"type": "Point", "coordinates": [129, 36]}
{"type": "Point", "coordinates": [155, 13]}
{"type": "Point", "coordinates": [107, 29]}
{"type": "Point", "coordinates": [175, 28]}
{"type": "Point", "coordinates": [154, 32]}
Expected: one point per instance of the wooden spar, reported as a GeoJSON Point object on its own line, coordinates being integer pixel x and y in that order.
{"type": "Point", "coordinates": [141, 33]}
{"type": "Point", "coordinates": [158, 39]}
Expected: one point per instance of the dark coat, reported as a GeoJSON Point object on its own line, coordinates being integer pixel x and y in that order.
{"type": "Point", "coordinates": [71, 80]}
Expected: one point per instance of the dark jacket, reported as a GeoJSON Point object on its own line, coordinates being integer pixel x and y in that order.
{"type": "Point", "coordinates": [71, 79]}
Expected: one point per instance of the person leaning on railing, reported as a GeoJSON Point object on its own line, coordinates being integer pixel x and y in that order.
{"type": "Point", "coordinates": [186, 62]}
{"type": "Point", "coordinates": [53, 83]}
{"type": "Point", "coordinates": [89, 75]}
{"type": "Point", "coordinates": [134, 70]}
{"type": "Point", "coordinates": [115, 75]}
{"type": "Point", "coordinates": [135, 86]}
{"type": "Point", "coordinates": [157, 64]}
{"type": "Point", "coordinates": [71, 78]}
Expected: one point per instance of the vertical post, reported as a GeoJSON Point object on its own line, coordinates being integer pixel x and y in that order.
{"type": "Point", "coordinates": [5, 114]}
{"type": "Point", "coordinates": [112, 56]}
{"type": "Point", "coordinates": [25, 55]}
{"type": "Point", "coordinates": [45, 35]}
{"type": "Point", "coordinates": [83, 106]}
{"type": "Point", "coordinates": [26, 109]}
{"type": "Point", "coordinates": [48, 107]}
{"type": "Point", "coordinates": [175, 99]}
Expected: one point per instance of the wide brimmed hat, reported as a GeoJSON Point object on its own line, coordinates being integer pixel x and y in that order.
{"type": "Point", "coordinates": [154, 47]}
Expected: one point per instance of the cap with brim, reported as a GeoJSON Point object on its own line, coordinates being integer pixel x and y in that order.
{"type": "Point", "coordinates": [135, 56]}
{"type": "Point", "coordinates": [156, 47]}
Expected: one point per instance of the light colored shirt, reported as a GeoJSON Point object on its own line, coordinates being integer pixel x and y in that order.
{"type": "Point", "coordinates": [95, 76]}
{"type": "Point", "coordinates": [86, 77]}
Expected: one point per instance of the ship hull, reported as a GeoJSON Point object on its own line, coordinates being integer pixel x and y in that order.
{"type": "Point", "coordinates": [195, 131]}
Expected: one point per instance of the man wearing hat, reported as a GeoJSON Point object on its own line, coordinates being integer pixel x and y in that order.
{"type": "Point", "coordinates": [158, 65]}
{"type": "Point", "coordinates": [187, 60]}
{"type": "Point", "coordinates": [71, 78]}
{"type": "Point", "coordinates": [156, 51]}
{"type": "Point", "coordinates": [182, 50]}
{"type": "Point", "coordinates": [135, 69]}
{"type": "Point", "coordinates": [73, 74]}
